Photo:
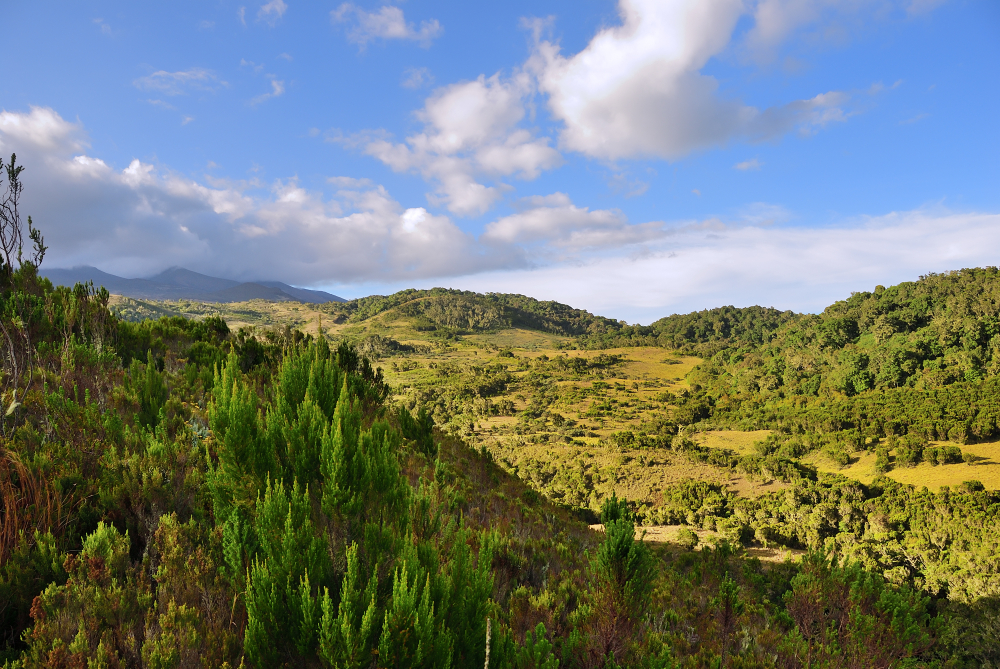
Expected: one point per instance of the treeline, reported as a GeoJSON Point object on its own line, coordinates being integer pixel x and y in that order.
{"type": "Point", "coordinates": [474, 312]}
{"type": "Point", "coordinates": [701, 333]}
{"type": "Point", "coordinates": [931, 333]}
{"type": "Point", "coordinates": [962, 413]}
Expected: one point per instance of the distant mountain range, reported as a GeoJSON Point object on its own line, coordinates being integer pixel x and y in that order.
{"type": "Point", "coordinates": [178, 283]}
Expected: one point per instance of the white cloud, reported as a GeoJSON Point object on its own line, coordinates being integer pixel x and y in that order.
{"type": "Point", "coordinates": [637, 89]}
{"type": "Point", "coordinates": [775, 20]}
{"type": "Point", "coordinates": [387, 23]}
{"type": "Point", "coordinates": [804, 269]}
{"type": "Point", "coordinates": [145, 218]}
{"type": "Point", "coordinates": [417, 77]}
{"type": "Point", "coordinates": [180, 83]}
{"type": "Point", "coordinates": [557, 222]}
{"type": "Point", "coordinates": [277, 90]}
{"type": "Point", "coordinates": [752, 164]}
{"type": "Point", "coordinates": [470, 131]}
{"type": "Point", "coordinates": [141, 219]}
{"type": "Point", "coordinates": [271, 12]}
{"type": "Point", "coordinates": [241, 14]}
{"type": "Point", "coordinates": [42, 130]}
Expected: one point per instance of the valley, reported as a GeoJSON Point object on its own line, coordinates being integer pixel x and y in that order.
{"type": "Point", "coordinates": [526, 460]}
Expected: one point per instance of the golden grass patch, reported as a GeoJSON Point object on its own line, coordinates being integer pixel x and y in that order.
{"type": "Point", "coordinates": [986, 469]}
{"type": "Point", "coordinates": [740, 442]}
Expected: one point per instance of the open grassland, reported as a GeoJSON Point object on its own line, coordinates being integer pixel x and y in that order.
{"type": "Point", "coordinates": [253, 313]}
{"type": "Point", "coordinates": [986, 469]}
{"type": "Point", "coordinates": [735, 440]}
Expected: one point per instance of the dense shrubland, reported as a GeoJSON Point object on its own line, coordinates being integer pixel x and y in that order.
{"type": "Point", "coordinates": [285, 515]}
{"type": "Point", "coordinates": [187, 496]}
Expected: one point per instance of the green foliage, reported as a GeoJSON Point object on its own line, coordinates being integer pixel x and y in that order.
{"type": "Point", "coordinates": [624, 565]}
{"type": "Point", "coordinates": [148, 383]}
{"type": "Point", "coordinates": [848, 616]}
{"type": "Point", "coordinates": [614, 509]}
{"type": "Point", "coordinates": [467, 311]}
{"type": "Point", "coordinates": [346, 633]}
{"type": "Point", "coordinates": [687, 539]}
{"type": "Point", "coordinates": [419, 428]}
{"type": "Point", "coordinates": [536, 653]}
{"type": "Point", "coordinates": [701, 332]}
{"type": "Point", "coordinates": [97, 613]}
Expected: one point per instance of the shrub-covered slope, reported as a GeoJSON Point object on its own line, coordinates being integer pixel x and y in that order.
{"type": "Point", "coordinates": [175, 494]}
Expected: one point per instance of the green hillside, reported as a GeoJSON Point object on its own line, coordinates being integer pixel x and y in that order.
{"type": "Point", "coordinates": [231, 485]}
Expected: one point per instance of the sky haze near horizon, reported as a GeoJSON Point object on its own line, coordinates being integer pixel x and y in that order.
{"type": "Point", "coordinates": [635, 158]}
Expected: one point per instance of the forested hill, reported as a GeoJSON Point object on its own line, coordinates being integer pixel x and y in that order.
{"type": "Point", "coordinates": [476, 312]}
{"type": "Point", "coordinates": [699, 332]}
{"type": "Point", "coordinates": [926, 334]}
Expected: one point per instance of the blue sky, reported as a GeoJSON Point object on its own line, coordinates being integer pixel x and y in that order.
{"type": "Point", "coordinates": [636, 158]}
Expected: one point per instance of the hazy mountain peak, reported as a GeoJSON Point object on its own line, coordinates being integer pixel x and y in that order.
{"type": "Point", "coordinates": [178, 283]}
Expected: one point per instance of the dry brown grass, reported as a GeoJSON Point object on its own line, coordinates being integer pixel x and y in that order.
{"type": "Point", "coordinates": [28, 503]}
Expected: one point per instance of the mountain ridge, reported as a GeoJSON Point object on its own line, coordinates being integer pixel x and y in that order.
{"type": "Point", "coordinates": [178, 283]}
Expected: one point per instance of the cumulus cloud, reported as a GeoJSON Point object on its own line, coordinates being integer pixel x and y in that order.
{"type": "Point", "coordinates": [637, 89]}
{"type": "Point", "coordinates": [271, 12]}
{"type": "Point", "coordinates": [138, 220]}
{"type": "Point", "coordinates": [555, 221]}
{"type": "Point", "coordinates": [386, 24]}
{"type": "Point", "coordinates": [180, 83]}
{"type": "Point", "coordinates": [470, 131]}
